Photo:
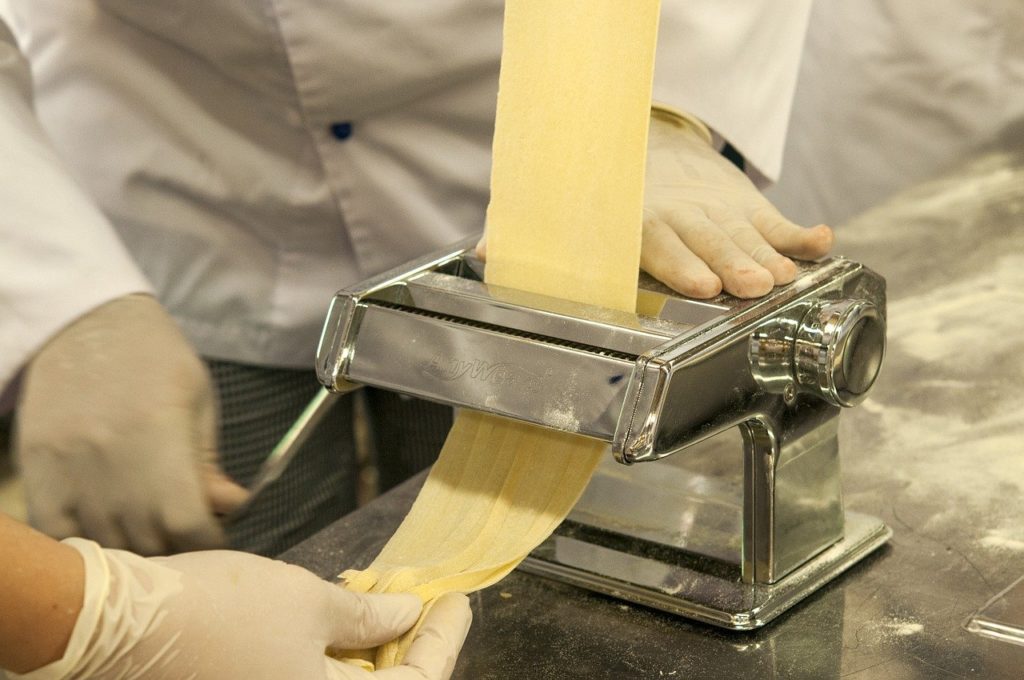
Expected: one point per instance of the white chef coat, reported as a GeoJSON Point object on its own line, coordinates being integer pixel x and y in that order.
{"type": "Point", "coordinates": [894, 92]}
{"type": "Point", "coordinates": [256, 156]}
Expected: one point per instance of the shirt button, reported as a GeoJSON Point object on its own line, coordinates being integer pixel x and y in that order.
{"type": "Point", "coordinates": [341, 131]}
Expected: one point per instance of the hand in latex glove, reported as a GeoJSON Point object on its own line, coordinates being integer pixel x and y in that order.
{"type": "Point", "coordinates": [223, 615]}
{"type": "Point", "coordinates": [116, 434]}
{"type": "Point", "coordinates": [707, 227]}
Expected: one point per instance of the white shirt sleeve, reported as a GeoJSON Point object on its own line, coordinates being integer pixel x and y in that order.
{"type": "Point", "coordinates": [59, 256]}
{"type": "Point", "coordinates": [733, 64]}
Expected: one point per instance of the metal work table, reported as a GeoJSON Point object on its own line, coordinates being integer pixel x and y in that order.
{"type": "Point", "coordinates": [937, 452]}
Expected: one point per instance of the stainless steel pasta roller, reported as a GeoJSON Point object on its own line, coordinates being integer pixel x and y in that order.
{"type": "Point", "coordinates": [739, 400]}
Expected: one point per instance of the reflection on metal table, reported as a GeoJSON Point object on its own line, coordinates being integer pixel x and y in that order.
{"type": "Point", "coordinates": [935, 451]}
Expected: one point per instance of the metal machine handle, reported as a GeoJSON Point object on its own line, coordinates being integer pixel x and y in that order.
{"type": "Point", "coordinates": [284, 452]}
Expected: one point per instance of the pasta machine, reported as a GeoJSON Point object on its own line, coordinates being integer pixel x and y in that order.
{"type": "Point", "coordinates": [728, 531]}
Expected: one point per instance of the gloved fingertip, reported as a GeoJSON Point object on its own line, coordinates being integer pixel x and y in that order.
{"type": "Point", "coordinates": [362, 620]}
{"type": "Point", "coordinates": [396, 611]}
{"type": "Point", "coordinates": [694, 285]}
{"type": "Point", "coordinates": [821, 239]}
{"type": "Point", "coordinates": [222, 492]}
{"type": "Point", "coordinates": [441, 636]}
{"type": "Point", "coordinates": [53, 522]}
{"type": "Point", "coordinates": [705, 287]}
{"type": "Point", "coordinates": [749, 283]}
{"type": "Point", "coordinates": [782, 268]}
{"type": "Point", "coordinates": [458, 606]}
{"type": "Point", "coordinates": [454, 610]}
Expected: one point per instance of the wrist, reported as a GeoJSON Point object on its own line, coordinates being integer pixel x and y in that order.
{"type": "Point", "coordinates": [680, 119]}
{"type": "Point", "coordinates": [41, 589]}
{"type": "Point", "coordinates": [125, 604]}
{"type": "Point", "coordinates": [95, 585]}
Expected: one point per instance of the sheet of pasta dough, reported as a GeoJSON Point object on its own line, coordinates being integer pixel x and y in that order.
{"type": "Point", "coordinates": [564, 220]}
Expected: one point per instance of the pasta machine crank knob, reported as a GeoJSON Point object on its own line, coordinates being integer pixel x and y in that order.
{"type": "Point", "coordinates": [834, 352]}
